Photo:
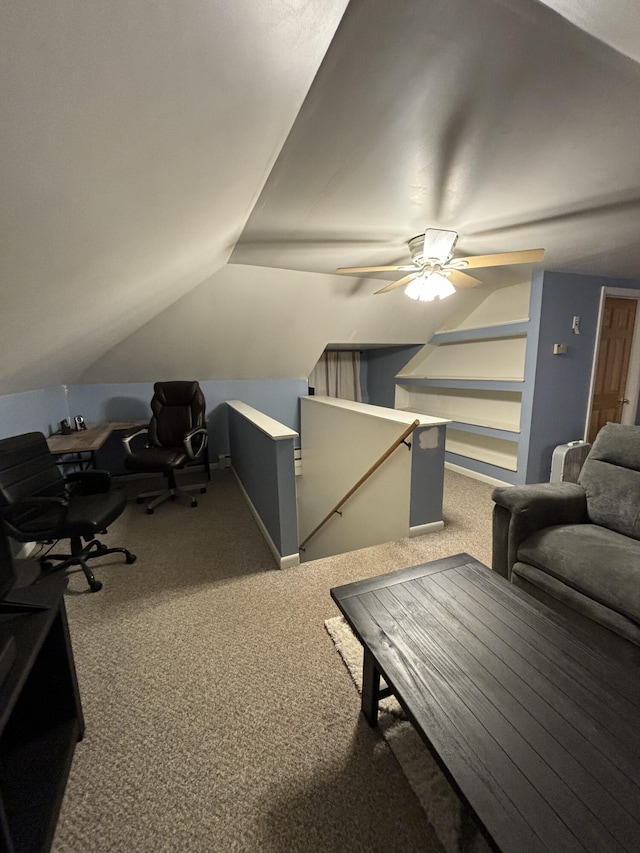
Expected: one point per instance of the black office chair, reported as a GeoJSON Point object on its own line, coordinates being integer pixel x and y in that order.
{"type": "Point", "coordinates": [176, 435]}
{"type": "Point", "coordinates": [38, 504]}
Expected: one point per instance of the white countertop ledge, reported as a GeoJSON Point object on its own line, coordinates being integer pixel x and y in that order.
{"type": "Point", "coordinates": [274, 429]}
{"type": "Point", "coordinates": [400, 416]}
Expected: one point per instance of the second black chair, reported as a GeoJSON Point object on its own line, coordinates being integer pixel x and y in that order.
{"type": "Point", "coordinates": [37, 504]}
{"type": "Point", "coordinates": [175, 436]}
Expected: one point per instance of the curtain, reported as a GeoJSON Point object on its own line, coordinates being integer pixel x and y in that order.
{"type": "Point", "coordinates": [337, 374]}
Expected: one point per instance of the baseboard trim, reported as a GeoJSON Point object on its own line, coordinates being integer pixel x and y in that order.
{"type": "Point", "coordinates": [475, 475]}
{"type": "Point", "coordinates": [290, 561]}
{"type": "Point", "coordinates": [430, 527]}
{"type": "Point", "coordinates": [284, 562]}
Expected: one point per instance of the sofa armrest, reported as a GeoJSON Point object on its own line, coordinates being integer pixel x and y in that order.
{"type": "Point", "coordinates": [520, 511]}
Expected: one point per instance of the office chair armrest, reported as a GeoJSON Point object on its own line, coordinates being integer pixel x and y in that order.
{"type": "Point", "coordinates": [201, 443]}
{"type": "Point", "coordinates": [128, 437]}
{"type": "Point", "coordinates": [30, 525]}
{"type": "Point", "coordinates": [89, 482]}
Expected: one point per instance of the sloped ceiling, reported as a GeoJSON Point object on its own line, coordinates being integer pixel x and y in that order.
{"type": "Point", "coordinates": [144, 145]}
{"type": "Point", "coordinates": [250, 322]}
{"type": "Point", "coordinates": [135, 139]}
{"type": "Point", "coordinates": [615, 23]}
{"type": "Point", "coordinates": [498, 119]}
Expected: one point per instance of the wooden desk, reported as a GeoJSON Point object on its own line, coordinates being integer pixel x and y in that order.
{"type": "Point", "coordinates": [82, 443]}
{"type": "Point", "coordinates": [532, 719]}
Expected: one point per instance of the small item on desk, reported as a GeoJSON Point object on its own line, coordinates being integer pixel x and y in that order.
{"type": "Point", "coordinates": [65, 427]}
{"type": "Point", "coordinates": [79, 422]}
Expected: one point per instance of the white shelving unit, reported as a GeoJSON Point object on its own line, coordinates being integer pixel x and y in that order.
{"type": "Point", "coordinates": [473, 375]}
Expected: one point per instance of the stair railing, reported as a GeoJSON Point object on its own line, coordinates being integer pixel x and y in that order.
{"type": "Point", "coordinates": [402, 439]}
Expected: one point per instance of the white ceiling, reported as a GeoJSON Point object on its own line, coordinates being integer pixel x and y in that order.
{"type": "Point", "coordinates": [143, 141]}
{"type": "Point", "coordinates": [498, 119]}
{"type": "Point", "coordinates": [136, 137]}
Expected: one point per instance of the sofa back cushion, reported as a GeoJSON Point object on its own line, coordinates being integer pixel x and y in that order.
{"type": "Point", "coordinates": [610, 477]}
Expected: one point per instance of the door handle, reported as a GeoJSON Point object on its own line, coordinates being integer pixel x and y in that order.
{"type": "Point", "coordinates": [623, 400]}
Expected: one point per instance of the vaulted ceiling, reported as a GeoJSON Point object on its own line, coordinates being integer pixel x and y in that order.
{"type": "Point", "coordinates": [499, 119]}
{"type": "Point", "coordinates": [146, 145]}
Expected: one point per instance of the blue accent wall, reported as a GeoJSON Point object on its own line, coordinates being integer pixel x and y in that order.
{"type": "Point", "coordinates": [33, 411]}
{"type": "Point", "coordinates": [364, 377]}
{"type": "Point", "coordinates": [266, 469]}
{"type": "Point", "coordinates": [561, 383]}
{"type": "Point", "coordinates": [382, 366]}
{"type": "Point", "coordinates": [528, 389]}
{"type": "Point", "coordinates": [427, 475]}
{"type": "Point", "coordinates": [42, 410]}
{"type": "Point", "coordinates": [278, 398]}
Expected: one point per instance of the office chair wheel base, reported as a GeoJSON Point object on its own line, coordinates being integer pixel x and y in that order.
{"type": "Point", "coordinates": [203, 490]}
{"type": "Point", "coordinates": [131, 558]}
{"type": "Point", "coordinates": [95, 586]}
{"type": "Point", "coordinates": [194, 503]}
{"type": "Point", "coordinates": [149, 511]}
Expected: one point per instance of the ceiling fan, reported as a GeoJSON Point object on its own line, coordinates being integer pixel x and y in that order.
{"type": "Point", "coordinates": [434, 273]}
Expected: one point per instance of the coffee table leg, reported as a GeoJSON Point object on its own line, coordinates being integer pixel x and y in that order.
{"type": "Point", "coordinates": [370, 688]}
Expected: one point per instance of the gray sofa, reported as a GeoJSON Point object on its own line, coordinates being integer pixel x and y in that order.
{"type": "Point", "coordinates": [577, 545]}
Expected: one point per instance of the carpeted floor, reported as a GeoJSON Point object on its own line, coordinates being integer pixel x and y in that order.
{"type": "Point", "coordinates": [219, 717]}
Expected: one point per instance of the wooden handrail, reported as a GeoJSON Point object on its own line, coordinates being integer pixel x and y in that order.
{"type": "Point", "coordinates": [407, 432]}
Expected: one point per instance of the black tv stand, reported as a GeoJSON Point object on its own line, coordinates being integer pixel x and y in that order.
{"type": "Point", "coordinates": [40, 714]}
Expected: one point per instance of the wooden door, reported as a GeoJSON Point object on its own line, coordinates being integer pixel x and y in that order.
{"type": "Point", "coordinates": [613, 363]}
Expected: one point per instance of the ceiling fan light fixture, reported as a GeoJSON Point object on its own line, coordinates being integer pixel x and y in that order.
{"type": "Point", "coordinates": [429, 287]}
{"type": "Point", "coordinates": [433, 261]}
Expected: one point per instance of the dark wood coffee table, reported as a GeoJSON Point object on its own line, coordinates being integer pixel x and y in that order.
{"type": "Point", "coordinates": [533, 717]}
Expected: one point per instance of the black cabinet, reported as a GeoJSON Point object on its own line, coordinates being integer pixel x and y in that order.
{"type": "Point", "coordinates": [40, 714]}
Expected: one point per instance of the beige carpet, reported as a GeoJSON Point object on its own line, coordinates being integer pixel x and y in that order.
{"type": "Point", "coordinates": [219, 717]}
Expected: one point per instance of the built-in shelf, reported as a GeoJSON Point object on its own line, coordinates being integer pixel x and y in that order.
{"type": "Point", "coordinates": [462, 378]}
{"type": "Point", "coordinates": [492, 449]}
{"type": "Point", "coordinates": [481, 384]}
{"type": "Point", "coordinates": [495, 431]}
{"type": "Point", "coordinates": [482, 333]}
{"type": "Point", "coordinates": [480, 425]}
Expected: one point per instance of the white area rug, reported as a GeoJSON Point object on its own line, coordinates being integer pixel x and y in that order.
{"type": "Point", "coordinates": [453, 826]}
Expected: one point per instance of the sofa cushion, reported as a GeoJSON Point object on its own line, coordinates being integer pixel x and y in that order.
{"type": "Point", "coordinates": [610, 477]}
{"type": "Point", "coordinates": [595, 561]}
{"type": "Point", "coordinates": [569, 601]}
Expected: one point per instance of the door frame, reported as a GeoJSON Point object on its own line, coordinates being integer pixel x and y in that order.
{"type": "Point", "coordinates": [633, 376]}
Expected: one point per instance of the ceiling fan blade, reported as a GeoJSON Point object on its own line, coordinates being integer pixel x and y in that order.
{"type": "Point", "coordinates": [395, 284]}
{"type": "Point", "coordinates": [462, 280]}
{"type": "Point", "coordinates": [528, 256]}
{"type": "Point", "coordinates": [349, 270]}
{"type": "Point", "coordinates": [438, 244]}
